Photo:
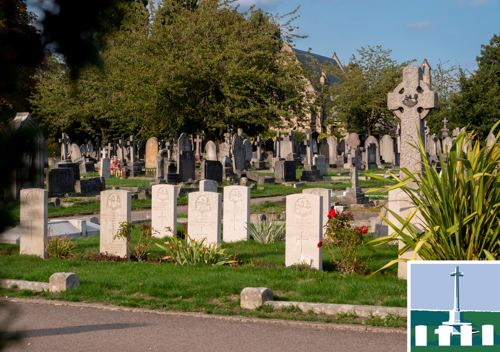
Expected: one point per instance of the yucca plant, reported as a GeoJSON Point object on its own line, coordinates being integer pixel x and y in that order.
{"type": "Point", "coordinates": [192, 252]}
{"type": "Point", "coordinates": [459, 207]}
{"type": "Point", "coordinates": [267, 231]}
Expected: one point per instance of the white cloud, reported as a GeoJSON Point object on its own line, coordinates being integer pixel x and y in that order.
{"type": "Point", "coordinates": [418, 26]}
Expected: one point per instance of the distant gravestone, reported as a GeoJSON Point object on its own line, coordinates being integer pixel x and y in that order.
{"type": "Point", "coordinates": [208, 186]}
{"type": "Point", "coordinates": [105, 171]}
{"type": "Point", "coordinates": [321, 165]}
{"type": "Point", "coordinates": [87, 167]}
{"type": "Point", "coordinates": [247, 145]}
{"type": "Point", "coordinates": [304, 230]}
{"type": "Point", "coordinates": [184, 145]}
{"type": "Point", "coordinates": [332, 150]}
{"type": "Point", "coordinates": [490, 140]}
{"type": "Point", "coordinates": [34, 211]}
{"type": "Point", "coordinates": [447, 143]}
{"type": "Point", "coordinates": [60, 181]}
{"type": "Point", "coordinates": [76, 154]}
{"type": "Point", "coordinates": [324, 149]}
{"type": "Point", "coordinates": [151, 152]}
{"type": "Point", "coordinates": [236, 213]}
{"type": "Point", "coordinates": [73, 166]}
{"type": "Point", "coordinates": [186, 166]}
{"type": "Point", "coordinates": [211, 170]}
{"type": "Point", "coordinates": [204, 217]}
{"type": "Point", "coordinates": [387, 149]}
{"type": "Point", "coordinates": [164, 210]}
{"type": "Point", "coordinates": [239, 153]}
{"type": "Point", "coordinates": [269, 146]}
{"type": "Point", "coordinates": [327, 201]}
{"type": "Point", "coordinates": [285, 170]}
{"type": "Point", "coordinates": [64, 146]}
{"type": "Point", "coordinates": [211, 151]}
{"type": "Point", "coordinates": [373, 152]}
{"type": "Point", "coordinates": [115, 209]}
{"type": "Point", "coordinates": [353, 140]}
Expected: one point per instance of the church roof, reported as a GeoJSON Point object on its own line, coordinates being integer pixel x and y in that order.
{"type": "Point", "coordinates": [323, 59]}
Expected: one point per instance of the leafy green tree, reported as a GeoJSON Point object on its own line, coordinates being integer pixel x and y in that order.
{"type": "Point", "coordinates": [478, 103]}
{"type": "Point", "coordinates": [358, 100]}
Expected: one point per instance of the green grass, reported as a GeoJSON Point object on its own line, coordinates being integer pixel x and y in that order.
{"type": "Point", "coordinates": [267, 208]}
{"type": "Point", "coordinates": [129, 182]}
{"type": "Point", "coordinates": [210, 289]}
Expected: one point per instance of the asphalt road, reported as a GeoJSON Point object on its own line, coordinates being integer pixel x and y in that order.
{"type": "Point", "coordinates": [52, 327]}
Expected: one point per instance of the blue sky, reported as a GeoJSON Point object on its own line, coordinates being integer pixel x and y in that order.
{"type": "Point", "coordinates": [430, 285]}
{"type": "Point", "coordinates": [440, 29]}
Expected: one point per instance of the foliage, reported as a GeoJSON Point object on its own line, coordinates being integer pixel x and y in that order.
{"type": "Point", "coordinates": [192, 252]}
{"type": "Point", "coordinates": [144, 238]}
{"type": "Point", "coordinates": [477, 105]}
{"type": "Point", "coordinates": [175, 68]}
{"type": "Point", "coordinates": [459, 209]}
{"type": "Point", "coordinates": [60, 247]}
{"type": "Point", "coordinates": [359, 99]}
{"type": "Point", "coordinates": [267, 231]}
{"type": "Point", "coordinates": [340, 235]}
{"type": "Point", "coordinates": [20, 57]}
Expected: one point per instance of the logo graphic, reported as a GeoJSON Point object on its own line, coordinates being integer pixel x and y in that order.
{"type": "Point", "coordinates": [114, 201]}
{"type": "Point", "coordinates": [302, 207]}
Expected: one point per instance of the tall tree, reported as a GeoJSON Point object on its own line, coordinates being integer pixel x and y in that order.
{"type": "Point", "coordinates": [359, 99]}
{"type": "Point", "coordinates": [477, 105]}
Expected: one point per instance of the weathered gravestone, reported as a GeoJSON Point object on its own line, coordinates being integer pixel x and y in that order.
{"type": "Point", "coordinates": [304, 230]}
{"type": "Point", "coordinates": [353, 141]}
{"type": "Point", "coordinates": [211, 151]}
{"type": "Point", "coordinates": [184, 145]}
{"type": "Point", "coordinates": [236, 213]}
{"type": "Point", "coordinates": [204, 217]}
{"type": "Point", "coordinates": [76, 154]}
{"type": "Point", "coordinates": [90, 186]}
{"type": "Point", "coordinates": [321, 164]}
{"type": "Point", "coordinates": [247, 145]}
{"type": "Point", "coordinates": [411, 101]}
{"type": "Point", "coordinates": [208, 186]}
{"type": "Point", "coordinates": [28, 148]}
{"type": "Point", "coordinates": [387, 149]}
{"type": "Point", "coordinates": [60, 181]}
{"type": "Point", "coordinates": [64, 146]}
{"type": "Point", "coordinates": [311, 172]}
{"type": "Point", "coordinates": [285, 171]}
{"type": "Point", "coordinates": [151, 152]}
{"type": "Point", "coordinates": [354, 195]}
{"type": "Point", "coordinates": [490, 140]}
{"type": "Point", "coordinates": [372, 153]}
{"type": "Point", "coordinates": [326, 194]}
{"type": "Point", "coordinates": [115, 209]}
{"type": "Point", "coordinates": [34, 222]}
{"type": "Point", "coordinates": [198, 141]}
{"type": "Point", "coordinates": [73, 166]}
{"type": "Point", "coordinates": [87, 167]}
{"type": "Point", "coordinates": [164, 210]}
{"type": "Point", "coordinates": [186, 166]}
{"type": "Point", "coordinates": [105, 171]}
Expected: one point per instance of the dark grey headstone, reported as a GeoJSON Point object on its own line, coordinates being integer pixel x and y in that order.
{"type": "Point", "coordinates": [60, 181]}
{"type": "Point", "coordinates": [91, 186]}
{"type": "Point", "coordinates": [74, 166]}
{"type": "Point", "coordinates": [87, 168]}
{"type": "Point", "coordinates": [285, 170]}
{"type": "Point", "coordinates": [211, 170]}
{"type": "Point", "coordinates": [186, 166]}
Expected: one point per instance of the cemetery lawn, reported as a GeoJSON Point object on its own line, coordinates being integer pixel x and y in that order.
{"type": "Point", "coordinates": [213, 289]}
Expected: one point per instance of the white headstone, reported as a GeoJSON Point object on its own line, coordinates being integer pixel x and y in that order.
{"type": "Point", "coordinates": [421, 335]}
{"type": "Point", "coordinates": [34, 207]}
{"type": "Point", "coordinates": [304, 223]}
{"type": "Point", "coordinates": [151, 152]}
{"type": "Point", "coordinates": [204, 217]}
{"type": "Point", "coordinates": [115, 209]}
{"type": "Point", "coordinates": [208, 186]}
{"type": "Point", "coordinates": [488, 335]}
{"type": "Point", "coordinates": [387, 149]}
{"type": "Point", "coordinates": [164, 210]}
{"type": "Point", "coordinates": [327, 201]}
{"type": "Point", "coordinates": [211, 151]}
{"type": "Point", "coordinates": [236, 213]}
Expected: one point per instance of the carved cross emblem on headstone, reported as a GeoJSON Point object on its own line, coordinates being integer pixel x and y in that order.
{"type": "Point", "coordinates": [411, 101]}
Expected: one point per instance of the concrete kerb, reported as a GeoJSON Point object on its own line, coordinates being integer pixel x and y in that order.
{"type": "Point", "coordinates": [313, 325]}
{"type": "Point", "coordinates": [253, 297]}
{"type": "Point", "coordinates": [58, 282]}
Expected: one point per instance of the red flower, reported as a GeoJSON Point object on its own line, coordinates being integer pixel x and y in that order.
{"type": "Point", "coordinates": [320, 243]}
{"type": "Point", "coordinates": [332, 214]}
{"type": "Point", "coordinates": [364, 230]}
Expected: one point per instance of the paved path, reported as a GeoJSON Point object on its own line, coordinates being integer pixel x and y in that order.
{"type": "Point", "coordinates": [80, 327]}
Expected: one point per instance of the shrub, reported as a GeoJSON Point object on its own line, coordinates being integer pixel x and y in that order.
{"type": "Point", "coordinates": [192, 252]}
{"type": "Point", "coordinates": [267, 232]}
{"type": "Point", "coordinates": [60, 247]}
{"type": "Point", "coordinates": [144, 240]}
{"type": "Point", "coordinates": [460, 207]}
{"type": "Point", "coordinates": [340, 235]}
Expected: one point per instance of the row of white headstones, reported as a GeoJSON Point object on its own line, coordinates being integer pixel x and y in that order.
{"type": "Point", "coordinates": [445, 332]}
{"type": "Point", "coordinates": [306, 215]}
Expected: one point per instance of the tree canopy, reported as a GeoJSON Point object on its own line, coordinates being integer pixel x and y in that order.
{"type": "Point", "coordinates": [181, 68]}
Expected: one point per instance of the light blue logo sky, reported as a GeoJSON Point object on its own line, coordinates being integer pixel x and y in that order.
{"type": "Point", "coordinates": [430, 285]}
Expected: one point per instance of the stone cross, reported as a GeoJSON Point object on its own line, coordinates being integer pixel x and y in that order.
{"type": "Point", "coordinates": [132, 143]}
{"type": "Point", "coordinates": [411, 101]}
{"type": "Point", "coordinates": [456, 303]}
{"type": "Point", "coordinates": [278, 145]}
{"type": "Point", "coordinates": [197, 142]}
{"type": "Point", "coordinates": [64, 146]}
{"type": "Point", "coordinates": [170, 148]}
{"type": "Point", "coordinates": [291, 136]}
{"type": "Point", "coordinates": [444, 130]}
{"type": "Point", "coordinates": [309, 144]}
{"type": "Point", "coordinates": [104, 153]}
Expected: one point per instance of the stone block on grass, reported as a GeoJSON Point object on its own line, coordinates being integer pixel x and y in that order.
{"type": "Point", "coordinates": [254, 297]}
{"type": "Point", "coordinates": [63, 282]}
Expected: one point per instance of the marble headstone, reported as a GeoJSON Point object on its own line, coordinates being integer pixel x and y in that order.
{"type": "Point", "coordinates": [204, 217]}
{"type": "Point", "coordinates": [164, 210]}
{"type": "Point", "coordinates": [115, 209]}
{"type": "Point", "coordinates": [236, 213]}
